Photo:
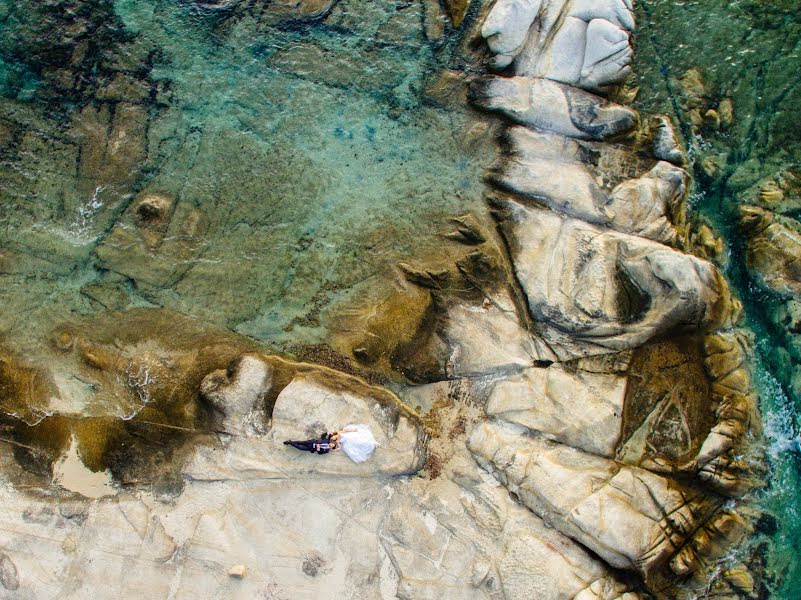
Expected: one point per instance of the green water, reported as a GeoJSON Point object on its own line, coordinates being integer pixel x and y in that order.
{"type": "Point", "coordinates": [749, 51]}
{"type": "Point", "coordinates": [305, 158]}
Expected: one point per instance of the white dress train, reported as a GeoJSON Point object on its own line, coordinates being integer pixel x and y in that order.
{"type": "Point", "coordinates": [359, 443]}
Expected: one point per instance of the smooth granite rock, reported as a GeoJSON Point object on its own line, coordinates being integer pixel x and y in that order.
{"type": "Point", "coordinates": [580, 43]}
{"type": "Point", "coordinates": [583, 409]}
{"type": "Point", "coordinates": [607, 290]}
{"type": "Point", "coordinates": [552, 106]}
{"type": "Point", "coordinates": [630, 517]}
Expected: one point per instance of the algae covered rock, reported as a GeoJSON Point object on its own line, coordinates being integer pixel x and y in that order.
{"type": "Point", "coordinates": [773, 249]}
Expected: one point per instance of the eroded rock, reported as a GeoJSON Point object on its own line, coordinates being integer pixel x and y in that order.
{"type": "Point", "coordinates": [630, 517]}
{"type": "Point", "coordinates": [583, 409]}
{"type": "Point", "coordinates": [773, 249]}
{"type": "Point", "coordinates": [552, 106]}
{"type": "Point", "coordinates": [584, 44]}
{"type": "Point", "coordinates": [554, 171]}
{"type": "Point", "coordinates": [600, 290]}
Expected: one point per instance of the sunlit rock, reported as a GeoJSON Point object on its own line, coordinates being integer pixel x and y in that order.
{"type": "Point", "coordinates": [724, 460]}
{"type": "Point", "coordinates": [239, 393]}
{"type": "Point", "coordinates": [665, 142]}
{"type": "Point", "coordinates": [506, 28]}
{"type": "Point", "coordinates": [553, 170]}
{"type": "Point", "coordinates": [651, 206]}
{"type": "Point", "coordinates": [485, 543]}
{"type": "Point", "coordinates": [607, 290]}
{"type": "Point", "coordinates": [585, 44]}
{"type": "Point", "coordinates": [583, 409]}
{"type": "Point", "coordinates": [314, 401]}
{"type": "Point", "coordinates": [551, 106]}
{"type": "Point", "coordinates": [630, 517]}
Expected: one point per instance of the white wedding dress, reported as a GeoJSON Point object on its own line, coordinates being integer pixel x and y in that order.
{"type": "Point", "coordinates": [359, 443]}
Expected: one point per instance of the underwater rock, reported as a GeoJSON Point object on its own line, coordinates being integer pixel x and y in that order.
{"type": "Point", "coordinates": [552, 106]}
{"type": "Point", "coordinates": [773, 249]}
{"type": "Point", "coordinates": [601, 290]}
{"type": "Point", "coordinates": [630, 517]}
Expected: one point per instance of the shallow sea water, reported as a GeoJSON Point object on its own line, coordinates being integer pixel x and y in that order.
{"type": "Point", "coordinates": [304, 157]}
{"type": "Point", "coordinates": [748, 51]}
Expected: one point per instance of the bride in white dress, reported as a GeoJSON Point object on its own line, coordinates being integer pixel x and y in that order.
{"type": "Point", "coordinates": [356, 441]}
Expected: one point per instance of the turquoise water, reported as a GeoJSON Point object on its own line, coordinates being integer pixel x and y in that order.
{"type": "Point", "coordinates": [303, 158]}
{"type": "Point", "coordinates": [749, 52]}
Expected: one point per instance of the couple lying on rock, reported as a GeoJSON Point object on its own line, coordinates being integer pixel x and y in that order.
{"type": "Point", "coordinates": [356, 441]}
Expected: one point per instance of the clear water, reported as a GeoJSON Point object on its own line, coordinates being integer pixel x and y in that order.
{"type": "Point", "coordinates": [749, 51]}
{"type": "Point", "coordinates": [309, 152]}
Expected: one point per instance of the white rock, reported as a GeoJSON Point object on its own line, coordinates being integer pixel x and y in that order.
{"type": "Point", "coordinates": [581, 43]}
{"type": "Point", "coordinates": [462, 536]}
{"type": "Point", "coordinates": [605, 289]}
{"type": "Point", "coordinates": [651, 206]}
{"type": "Point", "coordinates": [666, 144]}
{"type": "Point", "coordinates": [630, 517]}
{"type": "Point", "coordinates": [552, 106]}
{"type": "Point", "coordinates": [547, 169]}
{"type": "Point", "coordinates": [578, 408]}
{"type": "Point", "coordinates": [488, 339]}
{"type": "Point", "coordinates": [238, 394]}
{"type": "Point", "coordinates": [237, 571]}
{"type": "Point", "coordinates": [506, 28]}
{"type": "Point", "coordinates": [312, 403]}
{"type": "Point", "coordinates": [606, 57]}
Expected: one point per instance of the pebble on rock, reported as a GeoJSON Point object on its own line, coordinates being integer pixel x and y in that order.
{"type": "Point", "coordinates": [237, 571]}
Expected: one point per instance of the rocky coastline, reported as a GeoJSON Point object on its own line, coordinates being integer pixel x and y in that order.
{"type": "Point", "coordinates": [563, 396]}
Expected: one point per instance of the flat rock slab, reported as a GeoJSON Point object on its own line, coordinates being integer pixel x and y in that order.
{"type": "Point", "coordinates": [630, 517]}
{"type": "Point", "coordinates": [307, 407]}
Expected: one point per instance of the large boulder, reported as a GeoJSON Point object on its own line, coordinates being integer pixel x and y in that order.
{"type": "Point", "coordinates": [555, 171]}
{"type": "Point", "coordinates": [551, 106]}
{"type": "Point", "coordinates": [773, 249]}
{"type": "Point", "coordinates": [462, 536]}
{"type": "Point", "coordinates": [595, 290]}
{"type": "Point", "coordinates": [574, 406]}
{"type": "Point", "coordinates": [314, 401]}
{"type": "Point", "coordinates": [581, 43]}
{"type": "Point", "coordinates": [630, 517]}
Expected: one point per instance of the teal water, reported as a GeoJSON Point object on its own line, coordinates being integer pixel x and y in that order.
{"type": "Point", "coordinates": [749, 52]}
{"type": "Point", "coordinates": [302, 156]}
